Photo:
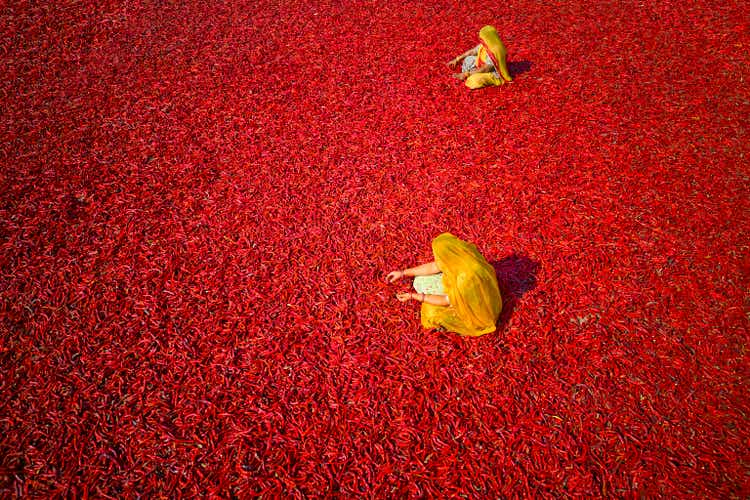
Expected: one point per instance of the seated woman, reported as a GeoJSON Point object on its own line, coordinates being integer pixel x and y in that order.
{"type": "Point", "coordinates": [486, 64]}
{"type": "Point", "coordinates": [458, 291]}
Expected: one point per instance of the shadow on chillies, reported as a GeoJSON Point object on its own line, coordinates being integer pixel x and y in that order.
{"type": "Point", "coordinates": [516, 68]}
{"type": "Point", "coordinates": [516, 275]}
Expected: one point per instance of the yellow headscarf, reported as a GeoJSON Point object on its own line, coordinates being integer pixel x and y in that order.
{"type": "Point", "coordinates": [471, 286]}
{"type": "Point", "coordinates": [497, 52]}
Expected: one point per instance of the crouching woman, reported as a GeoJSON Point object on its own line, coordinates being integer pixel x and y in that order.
{"type": "Point", "coordinates": [458, 290]}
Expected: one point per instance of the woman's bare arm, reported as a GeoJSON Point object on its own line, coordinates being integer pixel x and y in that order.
{"type": "Point", "coordinates": [466, 74]}
{"type": "Point", "coordinates": [423, 270]}
{"type": "Point", "coordinates": [458, 59]}
{"type": "Point", "coordinates": [435, 300]}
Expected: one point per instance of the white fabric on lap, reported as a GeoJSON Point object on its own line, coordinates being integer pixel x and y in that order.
{"type": "Point", "coordinates": [430, 285]}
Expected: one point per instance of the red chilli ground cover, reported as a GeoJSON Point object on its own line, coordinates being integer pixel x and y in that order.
{"type": "Point", "coordinates": [200, 201]}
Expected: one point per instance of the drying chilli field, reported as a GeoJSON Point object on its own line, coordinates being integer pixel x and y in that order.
{"type": "Point", "coordinates": [199, 202]}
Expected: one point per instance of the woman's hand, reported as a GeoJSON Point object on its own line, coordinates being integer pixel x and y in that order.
{"type": "Point", "coordinates": [460, 76]}
{"type": "Point", "coordinates": [452, 64]}
{"type": "Point", "coordinates": [403, 296]}
{"type": "Point", "coordinates": [394, 276]}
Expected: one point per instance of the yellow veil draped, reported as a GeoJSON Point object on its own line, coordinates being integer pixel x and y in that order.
{"type": "Point", "coordinates": [497, 52]}
{"type": "Point", "coordinates": [471, 285]}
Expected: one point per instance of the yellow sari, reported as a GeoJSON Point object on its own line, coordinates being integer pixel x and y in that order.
{"type": "Point", "coordinates": [492, 47]}
{"type": "Point", "coordinates": [471, 285]}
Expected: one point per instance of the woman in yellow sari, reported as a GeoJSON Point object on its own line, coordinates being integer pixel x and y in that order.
{"type": "Point", "coordinates": [458, 290]}
{"type": "Point", "coordinates": [486, 64]}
